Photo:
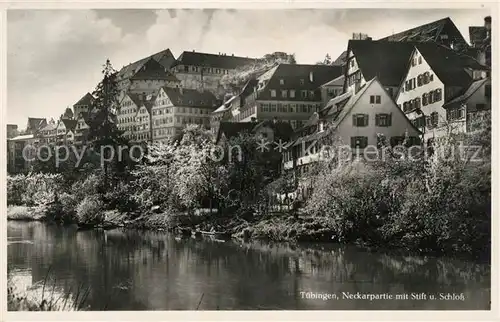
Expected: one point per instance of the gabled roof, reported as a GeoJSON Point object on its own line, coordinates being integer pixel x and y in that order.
{"type": "Point", "coordinates": [191, 98]}
{"type": "Point", "coordinates": [292, 74]}
{"type": "Point", "coordinates": [36, 123]}
{"type": "Point", "coordinates": [426, 32]}
{"type": "Point", "coordinates": [341, 59]}
{"type": "Point", "coordinates": [69, 124]}
{"type": "Point", "coordinates": [449, 65]}
{"type": "Point", "coordinates": [282, 130]}
{"type": "Point", "coordinates": [49, 127]}
{"type": "Point", "coordinates": [233, 129]}
{"type": "Point", "coordinates": [224, 107]}
{"type": "Point", "coordinates": [165, 58]}
{"type": "Point", "coordinates": [192, 58]}
{"type": "Point", "coordinates": [382, 59]}
{"type": "Point", "coordinates": [339, 81]}
{"type": "Point", "coordinates": [87, 99]}
{"type": "Point", "coordinates": [153, 70]}
{"type": "Point", "coordinates": [467, 92]}
{"type": "Point", "coordinates": [142, 100]}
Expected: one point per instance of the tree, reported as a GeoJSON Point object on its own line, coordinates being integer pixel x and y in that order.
{"type": "Point", "coordinates": [103, 131]}
{"type": "Point", "coordinates": [326, 61]}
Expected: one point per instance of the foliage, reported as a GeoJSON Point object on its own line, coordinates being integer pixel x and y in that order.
{"type": "Point", "coordinates": [90, 210]}
{"type": "Point", "coordinates": [437, 203]}
{"type": "Point", "coordinates": [33, 189]}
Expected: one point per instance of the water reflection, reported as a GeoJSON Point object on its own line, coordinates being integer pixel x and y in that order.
{"type": "Point", "coordinates": [135, 270]}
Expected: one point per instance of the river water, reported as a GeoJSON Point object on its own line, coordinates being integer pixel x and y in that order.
{"type": "Point", "coordinates": [137, 270]}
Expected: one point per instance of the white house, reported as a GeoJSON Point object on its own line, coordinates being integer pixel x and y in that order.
{"type": "Point", "coordinates": [435, 75]}
{"type": "Point", "coordinates": [357, 121]}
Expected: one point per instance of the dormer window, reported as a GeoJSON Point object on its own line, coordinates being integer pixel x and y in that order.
{"type": "Point", "coordinates": [282, 81]}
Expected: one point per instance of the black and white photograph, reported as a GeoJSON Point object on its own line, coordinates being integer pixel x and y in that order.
{"type": "Point", "coordinates": [248, 159]}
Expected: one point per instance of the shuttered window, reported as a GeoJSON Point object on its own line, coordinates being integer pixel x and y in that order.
{"type": "Point", "coordinates": [383, 119]}
{"type": "Point", "coordinates": [360, 120]}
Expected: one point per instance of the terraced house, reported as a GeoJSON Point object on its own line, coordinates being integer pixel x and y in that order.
{"type": "Point", "coordinates": [174, 108]}
{"type": "Point", "coordinates": [435, 77]}
{"type": "Point", "coordinates": [133, 116]}
{"type": "Point", "coordinates": [287, 92]}
{"type": "Point", "coordinates": [83, 105]}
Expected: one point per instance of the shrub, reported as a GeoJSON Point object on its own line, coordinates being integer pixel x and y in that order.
{"type": "Point", "coordinates": [90, 210]}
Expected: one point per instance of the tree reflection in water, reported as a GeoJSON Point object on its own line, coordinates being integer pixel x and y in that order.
{"type": "Point", "coordinates": [138, 270]}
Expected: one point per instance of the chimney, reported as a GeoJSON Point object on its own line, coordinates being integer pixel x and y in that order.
{"type": "Point", "coordinates": [311, 77]}
{"type": "Point", "coordinates": [487, 22]}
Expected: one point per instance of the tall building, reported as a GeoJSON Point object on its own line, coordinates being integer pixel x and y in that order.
{"type": "Point", "coordinates": [20, 154]}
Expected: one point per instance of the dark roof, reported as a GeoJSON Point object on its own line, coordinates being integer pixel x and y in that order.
{"type": "Point", "coordinates": [292, 74]}
{"type": "Point", "coordinates": [212, 60]}
{"type": "Point", "coordinates": [382, 59]}
{"type": "Point", "coordinates": [233, 129]}
{"type": "Point", "coordinates": [153, 70]}
{"type": "Point", "coordinates": [425, 32]}
{"type": "Point", "coordinates": [191, 97]}
{"type": "Point", "coordinates": [449, 65]}
{"type": "Point", "coordinates": [466, 92]}
{"type": "Point", "coordinates": [165, 58]}
{"type": "Point", "coordinates": [282, 130]}
{"type": "Point", "coordinates": [87, 99]}
{"type": "Point", "coordinates": [69, 124]}
{"type": "Point", "coordinates": [341, 59]}
{"type": "Point", "coordinates": [142, 100]}
{"type": "Point", "coordinates": [35, 123]}
{"type": "Point", "coordinates": [477, 34]}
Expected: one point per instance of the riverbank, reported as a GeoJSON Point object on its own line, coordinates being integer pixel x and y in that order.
{"type": "Point", "coordinates": [25, 213]}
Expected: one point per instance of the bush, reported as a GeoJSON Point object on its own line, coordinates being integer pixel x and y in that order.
{"type": "Point", "coordinates": [33, 189]}
{"type": "Point", "coordinates": [90, 210]}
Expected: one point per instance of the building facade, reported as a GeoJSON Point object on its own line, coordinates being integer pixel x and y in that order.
{"type": "Point", "coordinates": [435, 75]}
{"type": "Point", "coordinates": [174, 108]}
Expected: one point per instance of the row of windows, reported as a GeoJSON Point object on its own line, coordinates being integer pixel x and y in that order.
{"type": "Point", "coordinates": [416, 61]}
{"type": "Point", "coordinates": [291, 93]}
{"type": "Point", "coordinates": [354, 78]}
{"type": "Point", "coordinates": [420, 80]}
{"type": "Point", "coordinates": [381, 119]}
{"type": "Point", "coordinates": [196, 69]}
{"type": "Point", "coordinates": [429, 121]}
{"type": "Point", "coordinates": [289, 108]}
{"type": "Point", "coordinates": [162, 132]}
{"type": "Point", "coordinates": [333, 92]}
{"type": "Point", "coordinates": [427, 98]}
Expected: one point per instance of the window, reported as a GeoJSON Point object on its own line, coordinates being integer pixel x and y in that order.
{"type": "Point", "coordinates": [292, 93]}
{"type": "Point", "coordinates": [434, 118]}
{"type": "Point", "coordinates": [302, 81]}
{"type": "Point", "coordinates": [351, 63]}
{"type": "Point", "coordinates": [186, 69]}
{"type": "Point", "coordinates": [417, 103]}
{"type": "Point", "coordinates": [273, 93]}
{"type": "Point", "coordinates": [360, 120]}
{"type": "Point", "coordinates": [383, 119]}
{"type": "Point", "coordinates": [426, 78]}
{"type": "Point", "coordinates": [430, 97]}
{"type": "Point", "coordinates": [438, 95]}
{"type": "Point", "coordinates": [282, 81]}
{"type": "Point", "coordinates": [374, 99]}
{"type": "Point", "coordinates": [420, 60]}
{"type": "Point", "coordinates": [359, 142]}
{"type": "Point", "coordinates": [419, 80]}
{"type": "Point", "coordinates": [431, 77]}
{"type": "Point", "coordinates": [311, 94]}
{"type": "Point", "coordinates": [424, 99]}
{"type": "Point", "coordinates": [284, 93]}
{"type": "Point", "coordinates": [303, 94]}
{"type": "Point", "coordinates": [414, 61]}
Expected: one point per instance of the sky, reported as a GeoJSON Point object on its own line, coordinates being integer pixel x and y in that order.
{"type": "Point", "coordinates": [54, 57]}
